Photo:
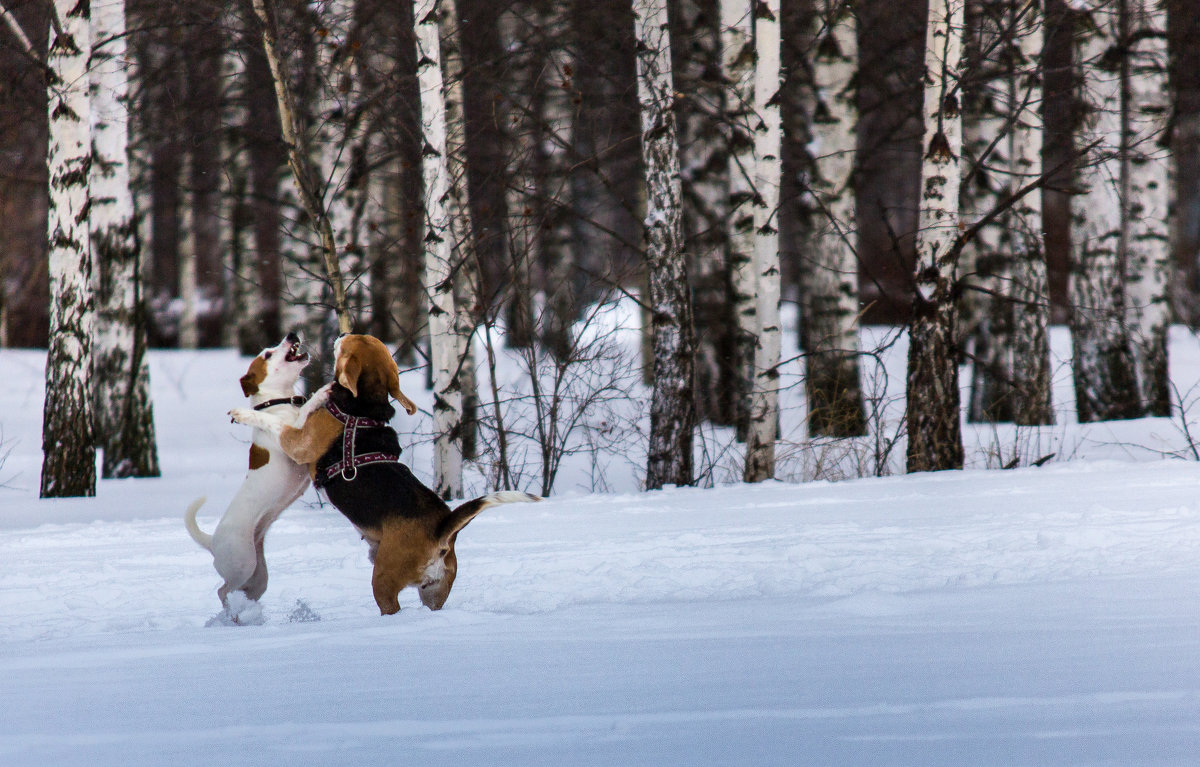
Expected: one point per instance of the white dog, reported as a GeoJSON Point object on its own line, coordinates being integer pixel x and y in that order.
{"type": "Point", "coordinates": [273, 482]}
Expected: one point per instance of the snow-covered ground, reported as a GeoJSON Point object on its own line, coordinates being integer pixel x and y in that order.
{"type": "Point", "coordinates": [1039, 616]}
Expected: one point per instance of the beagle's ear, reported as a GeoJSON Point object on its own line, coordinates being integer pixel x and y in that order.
{"type": "Point", "coordinates": [347, 373]}
{"type": "Point", "coordinates": [393, 384]}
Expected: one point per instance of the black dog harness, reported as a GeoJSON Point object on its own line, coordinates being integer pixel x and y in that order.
{"type": "Point", "coordinates": [347, 467]}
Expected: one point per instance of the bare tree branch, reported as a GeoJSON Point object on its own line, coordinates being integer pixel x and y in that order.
{"type": "Point", "coordinates": [300, 163]}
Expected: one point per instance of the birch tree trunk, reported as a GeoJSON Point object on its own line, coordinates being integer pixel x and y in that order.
{"type": "Point", "coordinates": [704, 160]}
{"type": "Point", "coordinates": [123, 411]}
{"type": "Point", "coordinates": [934, 431]}
{"type": "Point", "coordinates": [829, 292]}
{"type": "Point", "coordinates": [463, 256]}
{"type": "Point", "coordinates": [1148, 261]}
{"type": "Point", "coordinates": [1030, 288]}
{"type": "Point", "coordinates": [439, 252]}
{"type": "Point", "coordinates": [984, 313]}
{"type": "Point", "coordinates": [737, 64]}
{"type": "Point", "coordinates": [1010, 374]}
{"type": "Point", "coordinates": [68, 446]}
{"type": "Point", "coordinates": [672, 408]}
{"type": "Point", "coordinates": [1106, 384]}
{"type": "Point", "coordinates": [768, 140]}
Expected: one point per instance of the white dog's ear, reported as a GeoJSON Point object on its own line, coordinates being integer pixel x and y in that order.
{"type": "Point", "coordinates": [255, 375]}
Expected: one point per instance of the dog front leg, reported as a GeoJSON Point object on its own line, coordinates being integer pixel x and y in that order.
{"type": "Point", "coordinates": [258, 419]}
{"type": "Point", "coordinates": [315, 403]}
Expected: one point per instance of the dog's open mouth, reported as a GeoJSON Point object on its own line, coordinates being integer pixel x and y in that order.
{"type": "Point", "coordinates": [296, 353]}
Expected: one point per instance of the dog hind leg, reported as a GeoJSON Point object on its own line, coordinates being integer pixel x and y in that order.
{"type": "Point", "coordinates": [256, 585]}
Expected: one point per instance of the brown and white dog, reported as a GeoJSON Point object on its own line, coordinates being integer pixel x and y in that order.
{"type": "Point", "coordinates": [272, 483]}
{"type": "Point", "coordinates": [353, 454]}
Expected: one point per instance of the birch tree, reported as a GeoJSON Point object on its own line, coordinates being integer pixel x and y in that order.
{"type": "Point", "coordinates": [737, 65]}
{"type": "Point", "coordinates": [934, 432]}
{"type": "Point", "coordinates": [1145, 160]}
{"type": "Point", "coordinates": [768, 136]}
{"type": "Point", "coordinates": [704, 162]}
{"type": "Point", "coordinates": [439, 252]}
{"type": "Point", "coordinates": [1105, 374]}
{"type": "Point", "coordinates": [462, 235]}
{"type": "Point", "coordinates": [123, 411]}
{"type": "Point", "coordinates": [1011, 356]}
{"type": "Point", "coordinates": [830, 277]}
{"type": "Point", "coordinates": [1030, 286]}
{"type": "Point", "coordinates": [68, 446]}
{"type": "Point", "coordinates": [672, 408]}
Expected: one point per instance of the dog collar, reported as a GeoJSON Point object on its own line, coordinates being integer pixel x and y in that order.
{"type": "Point", "coordinates": [296, 400]}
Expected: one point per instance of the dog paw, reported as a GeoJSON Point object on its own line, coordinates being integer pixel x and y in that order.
{"type": "Point", "coordinates": [240, 415]}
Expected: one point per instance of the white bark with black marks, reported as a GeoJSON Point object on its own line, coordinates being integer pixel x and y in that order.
{"type": "Point", "coordinates": [1104, 369]}
{"type": "Point", "coordinates": [829, 276]}
{"type": "Point", "coordinates": [934, 432]}
{"type": "Point", "coordinates": [1148, 259]}
{"type": "Point", "coordinates": [68, 446]}
{"type": "Point", "coordinates": [672, 407]}
{"type": "Point", "coordinates": [462, 233]}
{"type": "Point", "coordinates": [768, 140]}
{"type": "Point", "coordinates": [1030, 288]}
{"type": "Point", "coordinates": [444, 343]}
{"type": "Point", "coordinates": [737, 65]}
{"type": "Point", "coordinates": [123, 411]}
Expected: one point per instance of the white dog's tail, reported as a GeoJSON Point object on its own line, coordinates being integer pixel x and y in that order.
{"type": "Point", "coordinates": [189, 519]}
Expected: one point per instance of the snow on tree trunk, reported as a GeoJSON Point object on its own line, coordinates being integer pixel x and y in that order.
{"type": "Point", "coordinates": [458, 208]}
{"type": "Point", "coordinates": [1148, 260]}
{"type": "Point", "coordinates": [123, 412]}
{"type": "Point", "coordinates": [830, 276]}
{"type": "Point", "coordinates": [934, 432]}
{"type": "Point", "coordinates": [672, 408]}
{"type": "Point", "coordinates": [439, 252]}
{"type": "Point", "coordinates": [737, 66]}
{"type": "Point", "coordinates": [1030, 287]}
{"type": "Point", "coordinates": [68, 447]}
{"type": "Point", "coordinates": [768, 140]}
{"type": "Point", "coordinates": [1105, 374]}
{"type": "Point", "coordinates": [704, 161]}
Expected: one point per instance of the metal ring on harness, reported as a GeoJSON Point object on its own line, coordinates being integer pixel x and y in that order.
{"type": "Point", "coordinates": [350, 478]}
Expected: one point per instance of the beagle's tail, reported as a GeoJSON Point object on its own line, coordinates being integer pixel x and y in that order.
{"type": "Point", "coordinates": [189, 519]}
{"type": "Point", "coordinates": [504, 496]}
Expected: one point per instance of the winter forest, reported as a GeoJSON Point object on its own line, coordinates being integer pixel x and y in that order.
{"type": "Point", "coordinates": [467, 179]}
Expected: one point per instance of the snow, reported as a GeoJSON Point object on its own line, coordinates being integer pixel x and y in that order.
{"type": "Point", "coordinates": [1028, 617]}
